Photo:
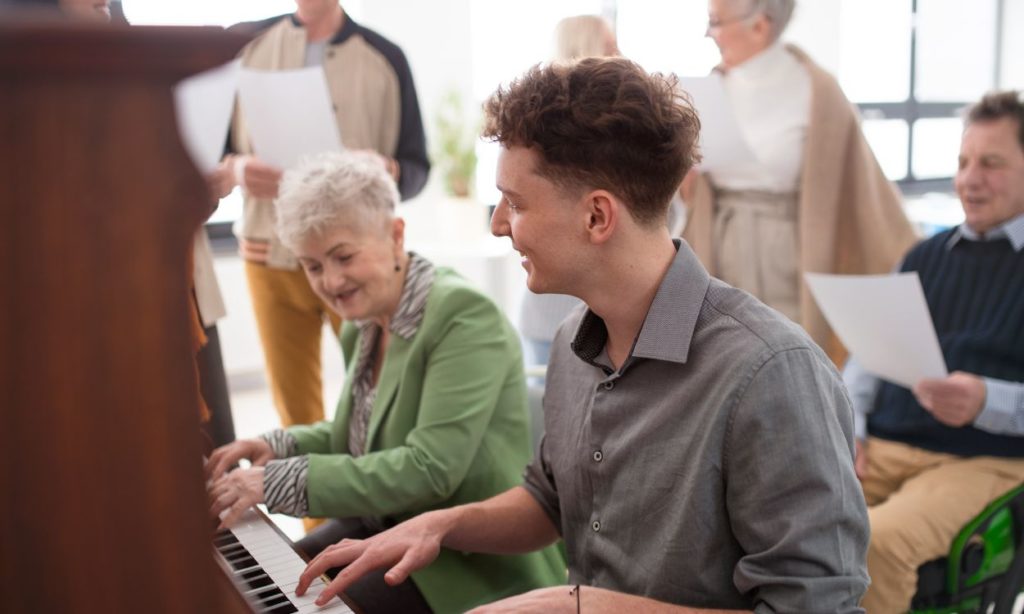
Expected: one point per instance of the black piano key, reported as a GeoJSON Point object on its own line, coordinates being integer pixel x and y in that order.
{"type": "Point", "coordinates": [242, 560]}
{"type": "Point", "coordinates": [273, 600]}
{"type": "Point", "coordinates": [256, 578]}
{"type": "Point", "coordinates": [262, 591]}
{"type": "Point", "coordinates": [224, 537]}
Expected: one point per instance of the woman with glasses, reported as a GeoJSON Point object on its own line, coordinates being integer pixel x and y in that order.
{"type": "Point", "coordinates": [814, 198]}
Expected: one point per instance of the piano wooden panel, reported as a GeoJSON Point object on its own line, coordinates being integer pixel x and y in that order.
{"type": "Point", "coordinates": [103, 503]}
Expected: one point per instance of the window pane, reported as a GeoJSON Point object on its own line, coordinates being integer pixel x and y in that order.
{"type": "Point", "coordinates": [934, 212]}
{"type": "Point", "coordinates": [955, 49]}
{"type": "Point", "coordinates": [874, 51]}
{"type": "Point", "coordinates": [936, 147]}
{"type": "Point", "coordinates": [1012, 76]}
{"type": "Point", "coordinates": [666, 36]}
{"type": "Point", "coordinates": [888, 139]}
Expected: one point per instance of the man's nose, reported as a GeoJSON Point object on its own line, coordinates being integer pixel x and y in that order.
{"type": "Point", "coordinates": [499, 220]}
{"type": "Point", "coordinates": [969, 174]}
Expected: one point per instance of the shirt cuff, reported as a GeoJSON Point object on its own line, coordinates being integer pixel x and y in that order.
{"type": "Point", "coordinates": [1003, 411]}
{"type": "Point", "coordinates": [284, 486]}
{"type": "Point", "coordinates": [281, 442]}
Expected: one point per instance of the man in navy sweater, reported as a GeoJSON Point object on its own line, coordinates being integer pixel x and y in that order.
{"type": "Point", "coordinates": [931, 458]}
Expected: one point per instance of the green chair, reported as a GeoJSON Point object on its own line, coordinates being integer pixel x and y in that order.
{"type": "Point", "coordinates": [984, 571]}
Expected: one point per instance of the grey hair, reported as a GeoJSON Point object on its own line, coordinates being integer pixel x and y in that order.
{"type": "Point", "coordinates": [582, 36]}
{"type": "Point", "coordinates": [779, 12]}
{"type": "Point", "coordinates": [329, 189]}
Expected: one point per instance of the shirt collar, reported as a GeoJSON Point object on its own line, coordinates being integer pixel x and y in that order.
{"type": "Point", "coordinates": [419, 278]}
{"type": "Point", "coordinates": [670, 322]}
{"type": "Point", "coordinates": [348, 28]}
{"type": "Point", "coordinates": [1013, 230]}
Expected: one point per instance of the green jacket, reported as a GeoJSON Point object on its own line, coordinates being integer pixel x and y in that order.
{"type": "Point", "coordinates": [449, 425]}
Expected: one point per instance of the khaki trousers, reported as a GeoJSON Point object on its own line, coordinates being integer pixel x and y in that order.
{"type": "Point", "coordinates": [918, 501]}
{"type": "Point", "coordinates": [756, 246]}
{"type": "Point", "coordinates": [290, 317]}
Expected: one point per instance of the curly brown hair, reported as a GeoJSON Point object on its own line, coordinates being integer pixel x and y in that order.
{"type": "Point", "coordinates": [601, 123]}
{"type": "Point", "coordinates": [997, 105]}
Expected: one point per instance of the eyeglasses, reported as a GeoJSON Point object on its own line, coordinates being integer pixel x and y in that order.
{"type": "Point", "coordinates": [717, 24]}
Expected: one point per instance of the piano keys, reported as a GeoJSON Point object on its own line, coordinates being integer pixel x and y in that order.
{"type": "Point", "coordinates": [266, 568]}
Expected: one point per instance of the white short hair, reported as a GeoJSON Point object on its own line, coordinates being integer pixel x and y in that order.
{"type": "Point", "coordinates": [329, 189]}
{"type": "Point", "coordinates": [779, 12]}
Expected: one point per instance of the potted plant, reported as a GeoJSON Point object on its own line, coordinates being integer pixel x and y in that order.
{"type": "Point", "coordinates": [455, 145]}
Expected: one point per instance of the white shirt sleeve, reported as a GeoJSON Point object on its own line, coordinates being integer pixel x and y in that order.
{"type": "Point", "coordinates": [863, 388]}
{"type": "Point", "coordinates": [1003, 413]}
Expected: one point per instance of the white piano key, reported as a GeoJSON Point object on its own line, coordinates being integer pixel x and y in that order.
{"type": "Point", "coordinates": [281, 563]}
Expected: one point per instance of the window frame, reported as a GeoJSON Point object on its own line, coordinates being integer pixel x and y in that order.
{"type": "Point", "coordinates": [911, 110]}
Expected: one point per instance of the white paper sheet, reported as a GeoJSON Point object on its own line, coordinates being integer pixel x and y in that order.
{"type": "Point", "coordinates": [884, 321]}
{"type": "Point", "coordinates": [721, 142]}
{"type": "Point", "coordinates": [288, 113]}
{"type": "Point", "coordinates": [203, 105]}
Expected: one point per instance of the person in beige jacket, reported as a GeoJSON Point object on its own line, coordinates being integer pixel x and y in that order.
{"type": "Point", "coordinates": [815, 199]}
{"type": "Point", "coordinates": [374, 99]}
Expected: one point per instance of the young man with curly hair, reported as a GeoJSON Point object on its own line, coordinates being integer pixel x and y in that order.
{"type": "Point", "coordinates": [698, 452]}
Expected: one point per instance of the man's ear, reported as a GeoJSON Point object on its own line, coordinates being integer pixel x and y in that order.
{"type": "Point", "coordinates": [603, 211]}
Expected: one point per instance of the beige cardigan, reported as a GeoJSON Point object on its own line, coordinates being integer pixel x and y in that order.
{"type": "Point", "coordinates": [850, 217]}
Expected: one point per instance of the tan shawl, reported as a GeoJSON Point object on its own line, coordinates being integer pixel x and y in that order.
{"type": "Point", "coordinates": [850, 217]}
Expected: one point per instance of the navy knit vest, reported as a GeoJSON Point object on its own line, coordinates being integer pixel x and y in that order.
{"type": "Point", "coordinates": [975, 292]}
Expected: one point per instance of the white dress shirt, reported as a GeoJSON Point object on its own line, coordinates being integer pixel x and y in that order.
{"type": "Point", "coordinates": [771, 98]}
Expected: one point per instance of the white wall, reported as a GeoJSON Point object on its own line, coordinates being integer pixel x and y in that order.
{"type": "Point", "coordinates": [815, 28]}
{"type": "Point", "coordinates": [436, 39]}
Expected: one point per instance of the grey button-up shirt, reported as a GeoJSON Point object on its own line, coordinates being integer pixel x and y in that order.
{"type": "Point", "coordinates": [715, 467]}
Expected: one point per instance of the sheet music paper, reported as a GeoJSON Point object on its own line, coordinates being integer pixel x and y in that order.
{"type": "Point", "coordinates": [203, 105]}
{"type": "Point", "coordinates": [884, 321]}
{"type": "Point", "coordinates": [288, 113]}
{"type": "Point", "coordinates": [721, 142]}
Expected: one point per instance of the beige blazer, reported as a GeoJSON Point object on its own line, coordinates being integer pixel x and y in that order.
{"type": "Point", "coordinates": [850, 217]}
{"type": "Point", "coordinates": [366, 95]}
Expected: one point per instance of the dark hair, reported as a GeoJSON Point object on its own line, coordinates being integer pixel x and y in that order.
{"type": "Point", "coordinates": [997, 105]}
{"type": "Point", "coordinates": [601, 123]}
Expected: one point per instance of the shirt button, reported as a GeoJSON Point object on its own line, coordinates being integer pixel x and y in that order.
{"type": "Point", "coordinates": [609, 385]}
{"type": "Point", "coordinates": [596, 526]}
{"type": "Point", "coordinates": [598, 456]}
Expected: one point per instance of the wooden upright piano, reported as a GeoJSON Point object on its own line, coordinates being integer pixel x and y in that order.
{"type": "Point", "coordinates": [101, 490]}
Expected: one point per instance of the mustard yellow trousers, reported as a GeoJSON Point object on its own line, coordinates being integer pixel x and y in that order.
{"type": "Point", "coordinates": [918, 501]}
{"type": "Point", "coordinates": [290, 318]}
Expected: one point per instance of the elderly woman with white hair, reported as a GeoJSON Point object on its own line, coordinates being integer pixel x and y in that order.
{"type": "Point", "coordinates": [433, 413]}
{"type": "Point", "coordinates": [813, 199]}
